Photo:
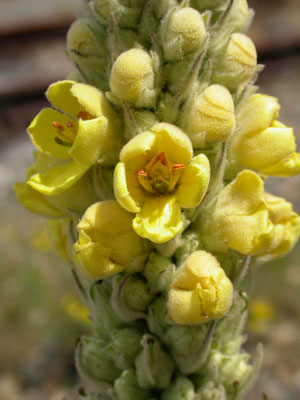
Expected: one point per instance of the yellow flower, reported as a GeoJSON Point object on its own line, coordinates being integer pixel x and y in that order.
{"type": "Point", "coordinates": [210, 117]}
{"type": "Point", "coordinates": [240, 220]}
{"type": "Point", "coordinates": [156, 176]}
{"type": "Point", "coordinates": [286, 226]}
{"type": "Point", "coordinates": [132, 78]}
{"type": "Point", "coordinates": [263, 143]}
{"type": "Point", "coordinates": [59, 231]}
{"type": "Point", "coordinates": [182, 32]}
{"type": "Point", "coordinates": [200, 292]}
{"type": "Point", "coordinates": [86, 130]}
{"type": "Point", "coordinates": [107, 243]}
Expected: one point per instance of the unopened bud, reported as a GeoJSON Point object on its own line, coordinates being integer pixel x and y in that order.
{"type": "Point", "coordinates": [210, 117]}
{"type": "Point", "coordinates": [200, 292]}
{"type": "Point", "coordinates": [182, 33]}
{"type": "Point", "coordinates": [132, 78]}
{"type": "Point", "coordinates": [237, 64]}
{"type": "Point", "coordinates": [181, 389]}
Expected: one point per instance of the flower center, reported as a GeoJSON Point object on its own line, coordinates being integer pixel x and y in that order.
{"type": "Point", "coordinates": [160, 175]}
{"type": "Point", "coordinates": [66, 135]}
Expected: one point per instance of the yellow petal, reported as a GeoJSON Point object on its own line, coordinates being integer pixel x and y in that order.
{"type": "Point", "coordinates": [127, 188]}
{"type": "Point", "coordinates": [43, 133]}
{"type": "Point", "coordinates": [58, 178]}
{"type": "Point", "coordinates": [284, 168]}
{"type": "Point", "coordinates": [138, 148]}
{"type": "Point", "coordinates": [194, 182]}
{"type": "Point", "coordinates": [59, 231]}
{"type": "Point", "coordinates": [35, 201]}
{"type": "Point", "coordinates": [60, 96]}
{"type": "Point", "coordinates": [173, 142]}
{"type": "Point", "coordinates": [159, 220]}
{"type": "Point", "coordinates": [258, 113]}
{"type": "Point", "coordinates": [90, 140]}
{"type": "Point", "coordinates": [265, 148]}
{"type": "Point", "coordinates": [93, 259]}
{"type": "Point", "coordinates": [90, 98]}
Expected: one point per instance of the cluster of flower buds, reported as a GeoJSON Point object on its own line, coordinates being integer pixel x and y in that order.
{"type": "Point", "coordinates": [150, 167]}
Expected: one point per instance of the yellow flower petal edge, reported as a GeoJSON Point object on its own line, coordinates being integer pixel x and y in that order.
{"type": "Point", "coordinates": [42, 133]}
{"type": "Point", "coordinates": [60, 96]}
{"type": "Point", "coordinates": [159, 220]}
{"type": "Point", "coordinates": [200, 291]}
{"type": "Point", "coordinates": [35, 201]}
{"type": "Point", "coordinates": [107, 243]}
{"type": "Point", "coordinates": [58, 178]}
{"type": "Point", "coordinates": [284, 168]}
{"type": "Point", "coordinates": [194, 182]}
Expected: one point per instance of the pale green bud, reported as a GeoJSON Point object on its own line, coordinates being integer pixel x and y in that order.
{"type": "Point", "coordinates": [125, 346]}
{"type": "Point", "coordinates": [237, 64]}
{"type": "Point", "coordinates": [137, 122]}
{"type": "Point", "coordinates": [239, 16]}
{"type": "Point", "coordinates": [185, 340]}
{"type": "Point", "coordinates": [132, 78]}
{"type": "Point", "coordinates": [212, 391]}
{"type": "Point", "coordinates": [161, 7]}
{"type": "Point", "coordinates": [181, 389]}
{"type": "Point", "coordinates": [157, 317]}
{"type": "Point", "coordinates": [136, 294]}
{"type": "Point", "coordinates": [182, 32]}
{"type": "Point", "coordinates": [127, 387]}
{"type": "Point", "coordinates": [86, 48]}
{"type": "Point", "coordinates": [126, 15]}
{"type": "Point", "coordinates": [153, 365]}
{"type": "Point", "coordinates": [159, 272]}
{"type": "Point", "coordinates": [208, 4]}
{"type": "Point", "coordinates": [95, 361]}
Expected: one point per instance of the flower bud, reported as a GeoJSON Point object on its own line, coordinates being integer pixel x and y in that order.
{"type": "Point", "coordinates": [263, 143]}
{"type": "Point", "coordinates": [132, 78]}
{"type": "Point", "coordinates": [200, 292]}
{"type": "Point", "coordinates": [127, 387]}
{"type": "Point", "coordinates": [210, 117]}
{"type": "Point", "coordinates": [153, 365]}
{"type": "Point", "coordinates": [286, 226]}
{"type": "Point", "coordinates": [125, 346]}
{"type": "Point", "coordinates": [237, 65]}
{"type": "Point", "coordinates": [87, 49]}
{"type": "Point", "coordinates": [126, 15]}
{"type": "Point", "coordinates": [180, 389]}
{"type": "Point", "coordinates": [211, 391]}
{"type": "Point", "coordinates": [93, 360]}
{"type": "Point", "coordinates": [240, 219]}
{"type": "Point", "coordinates": [159, 272]}
{"type": "Point", "coordinates": [182, 32]}
{"type": "Point", "coordinates": [239, 16]}
{"type": "Point", "coordinates": [206, 4]}
{"type": "Point", "coordinates": [107, 243]}
{"type": "Point", "coordinates": [136, 294]}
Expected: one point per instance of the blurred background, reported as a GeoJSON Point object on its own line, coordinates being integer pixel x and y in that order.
{"type": "Point", "coordinates": [41, 315]}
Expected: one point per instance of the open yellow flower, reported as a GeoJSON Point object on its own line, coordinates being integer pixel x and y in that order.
{"type": "Point", "coordinates": [86, 130]}
{"type": "Point", "coordinates": [200, 291]}
{"type": "Point", "coordinates": [240, 220]}
{"type": "Point", "coordinates": [263, 143]}
{"type": "Point", "coordinates": [107, 243]}
{"type": "Point", "coordinates": [286, 226]}
{"type": "Point", "coordinates": [156, 176]}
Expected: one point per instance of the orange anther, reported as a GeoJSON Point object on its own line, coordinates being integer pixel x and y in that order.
{"type": "Point", "coordinates": [140, 172]}
{"type": "Point", "coordinates": [57, 125]}
{"type": "Point", "coordinates": [84, 115]}
{"type": "Point", "coordinates": [178, 166]}
{"type": "Point", "coordinates": [70, 124]}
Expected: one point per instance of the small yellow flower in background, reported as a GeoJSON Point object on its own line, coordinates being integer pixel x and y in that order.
{"type": "Point", "coordinates": [262, 143]}
{"type": "Point", "coordinates": [261, 314]}
{"type": "Point", "coordinates": [75, 309]}
{"type": "Point", "coordinates": [39, 240]}
{"type": "Point", "coordinates": [240, 220]}
{"type": "Point", "coordinates": [200, 291]}
{"type": "Point", "coordinates": [182, 32]}
{"type": "Point", "coordinates": [107, 243]}
{"type": "Point", "coordinates": [210, 117]}
{"type": "Point", "coordinates": [59, 232]}
{"type": "Point", "coordinates": [156, 176]}
{"type": "Point", "coordinates": [132, 78]}
{"type": "Point", "coordinates": [286, 226]}
{"type": "Point", "coordinates": [86, 130]}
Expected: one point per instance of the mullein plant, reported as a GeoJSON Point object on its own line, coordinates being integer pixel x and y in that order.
{"type": "Point", "coordinates": [150, 167]}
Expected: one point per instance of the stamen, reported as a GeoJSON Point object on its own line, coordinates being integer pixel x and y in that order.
{"type": "Point", "coordinates": [62, 142]}
{"type": "Point", "coordinates": [162, 158]}
{"type": "Point", "coordinates": [71, 126]}
{"type": "Point", "coordinates": [85, 115]}
{"type": "Point", "coordinates": [178, 166]}
{"type": "Point", "coordinates": [140, 172]}
{"type": "Point", "coordinates": [58, 126]}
